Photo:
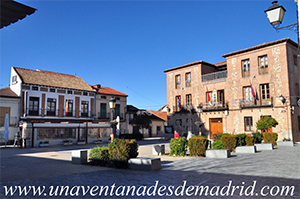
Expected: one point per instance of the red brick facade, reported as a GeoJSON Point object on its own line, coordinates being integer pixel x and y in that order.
{"type": "Point", "coordinates": [250, 88]}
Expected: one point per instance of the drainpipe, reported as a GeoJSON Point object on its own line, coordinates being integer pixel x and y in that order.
{"type": "Point", "coordinates": [32, 136]}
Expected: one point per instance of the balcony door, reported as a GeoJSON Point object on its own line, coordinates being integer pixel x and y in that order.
{"type": "Point", "coordinates": [34, 106]}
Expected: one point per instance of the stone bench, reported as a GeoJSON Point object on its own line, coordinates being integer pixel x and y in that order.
{"type": "Point", "coordinates": [245, 149]}
{"type": "Point", "coordinates": [145, 164]}
{"type": "Point", "coordinates": [217, 153]}
{"type": "Point", "coordinates": [285, 143]}
{"type": "Point", "coordinates": [158, 149]}
{"type": "Point", "coordinates": [264, 146]}
{"type": "Point", "coordinates": [79, 156]}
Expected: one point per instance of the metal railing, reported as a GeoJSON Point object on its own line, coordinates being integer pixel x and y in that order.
{"type": "Point", "coordinates": [214, 105]}
{"type": "Point", "coordinates": [263, 70]}
{"type": "Point", "coordinates": [256, 102]}
{"type": "Point", "coordinates": [214, 76]}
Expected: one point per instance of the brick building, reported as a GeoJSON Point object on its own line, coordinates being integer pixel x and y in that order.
{"type": "Point", "coordinates": [236, 93]}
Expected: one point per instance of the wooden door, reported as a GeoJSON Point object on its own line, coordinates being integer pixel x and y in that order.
{"type": "Point", "coordinates": [215, 126]}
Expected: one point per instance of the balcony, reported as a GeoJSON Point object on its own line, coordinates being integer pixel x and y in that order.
{"type": "Point", "coordinates": [214, 106]}
{"type": "Point", "coordinates": [214, 76]}
{"type": "Point", "coordinates": [263, 70]}
{"type": "Point", "coordinates": [245, 103]}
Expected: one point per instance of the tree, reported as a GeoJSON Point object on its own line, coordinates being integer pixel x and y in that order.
{"type": "Point", "coordinates": [265, 123]}
{"type": "Point", "coordinates": [142, 121]}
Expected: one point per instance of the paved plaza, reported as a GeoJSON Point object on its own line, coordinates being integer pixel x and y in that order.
{"type": "Point", "coordinates": [265, 172]}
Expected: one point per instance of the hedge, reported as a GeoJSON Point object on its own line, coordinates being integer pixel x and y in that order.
{"type": "Point", "coordinates": [217, 144]}
{"type": "Point", "coordinates": [241, 139]}
{"type": "Point", "coordinates": [249, 140]}
{"type": "Point", "coordinates": [270, 138]}
{"type": "Point", "coordinates": [197, 146]}
{"type": "Point", "coordinates": [99, 156]}
{"type": "Point", "coordinates": [257, 137]}
{"type": "Point", "coordinates": [178, 146]}
{"type": "Point", "coordinates": [229, 141]}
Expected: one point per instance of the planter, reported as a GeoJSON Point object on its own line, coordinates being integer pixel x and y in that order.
{"type": "Point", "coordinates": [81, 142]}
{"type": "Point", "coordinates": [245, 149]}
{"type": "Point", "coordinates": [145, 164]}
{"type": "Point", "coordinates": [44, 144]}
{"type": "Point", "coordinates": [264, 146]}
{"type": "Point", "coordinates": [158, 149]}
{"type": "Point", "coordinates": [285, 143]}
{"type": "Point", "coordinates": [97, 141]}
{"type": "Point", "coordinates": [217, 153]}
{"type": "Point", "coordinates": [67, 142]}
{"type": "Point", "coordinates": [79, 157]}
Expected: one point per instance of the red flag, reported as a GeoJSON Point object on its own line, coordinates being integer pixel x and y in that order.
{"type": "Point", "coordinates": [252, 91]}
{"type": "Point", "coordinates": [208, 96]}
{"type": "Point", "coordinates": [178, 102]}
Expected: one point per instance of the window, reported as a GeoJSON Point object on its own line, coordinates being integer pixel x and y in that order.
{"type": "Point", "coordinates": [69, 92]}
{"type": "Point", "coordinates": [55, 133]}
{"type": "Point", "coordinates": [221, 98]}
{"type": "Point", "coordinates": [34, 106]}
{"type": "Point", "coordinates": [103, 97]}
{"type": "Point", "coordinates": [14, 79]}
{"type": "Point", "coordinates": [103, 110]}
{"type": "Point", "coordinates": [84, 109]}
{"type": "Point", "coordinates": [117, 111]}
{"type": "Point", "coordinates": [51, 107]}
{"type": "Point", "coordinates": [263, 64]}
{"type": "Point", "coordinates": [52, 90]}
{"type": "Point", "coordinates": [69, 108]}
{"type": "Point", "coordinates": [178, 103]}
{"type": "Point", "coordinates": [247, 93]}
{"type": "Point", "coordinates": [177, 82]}
{"type": "Point", "coordinates": [84, 93]}
{"type": "Point", "coordinates": [297, 91]}
{"type": "Point", "coordinates": [189, 99]}
{"type": "Point", "coordinates": [299, 123]}
{"type": "Point", "coordinates": [35, 88]}
{"type": "Point", "coordinates": [295, 60]}
{"type": "Point", "coordinates": [246, 68]}
{"type": "Point", "coordinates": [265, 94]}
{"type": "Point", "coordinates": [117, 98]}
{"type": "Point", "coordinates": [188, 79]}
{"type": "Point", "coordinates": [248, 124]}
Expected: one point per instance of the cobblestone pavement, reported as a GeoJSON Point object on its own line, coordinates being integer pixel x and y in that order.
{"type": "Point", "coordinates": [265, 171]}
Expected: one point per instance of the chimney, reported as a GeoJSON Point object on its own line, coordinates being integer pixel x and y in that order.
{"type": "Point", "coordinates": [98, 86]}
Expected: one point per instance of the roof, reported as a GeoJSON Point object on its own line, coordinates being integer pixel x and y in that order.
{"type": "Point", "coordinates": [12, 11]}
{"type": "Point", "coordinates": [109, 91]}
{"type": "Point", "coordinates": [52, 79]}
{"type": "Point", "coordinates": [161, 115]}
{"type": "Point", "coordinates": [189, 64]}
{"type": "Point", "coordinates": [7, 92]}
{"type": "Point", "coordinates": [261, 46]}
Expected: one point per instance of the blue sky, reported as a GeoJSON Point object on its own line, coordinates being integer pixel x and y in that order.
{"type": "Point", "coordinates": [126, 45]}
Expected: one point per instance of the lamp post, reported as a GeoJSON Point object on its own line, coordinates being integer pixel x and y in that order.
{"type": "Point", "coordinates": [198, 122]}
{"type": "Point", "coordinates": [285, 101]}
{"type": "Point", "coordinates": [112, 106]}
{"type": "Point", "coordinates": [275, 14]}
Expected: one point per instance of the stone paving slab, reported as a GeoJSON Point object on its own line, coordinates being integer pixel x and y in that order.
{"type": "Point", "coordinates": [44, 167]}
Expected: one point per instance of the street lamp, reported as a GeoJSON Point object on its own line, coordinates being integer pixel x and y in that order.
{"type": "Point", "coordinates": [198, 122]}
{"type": "Point", "coordinates": [284, 101]}
{"type": "Point", "coordinates": [275, 14]}
{"type": "Point", "coordinates": [112, 106]}
{"type": "Point", "coordinates": [199, 108]}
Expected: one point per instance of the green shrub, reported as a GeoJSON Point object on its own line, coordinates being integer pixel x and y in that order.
{"type": "Point", "coordinates": [197, 145]}
{"type": "Point", "coordinates": [134, 147]}
{"type": "Point", "coordinates": [257, 137]}
{"type": "Point", "coordinates": [120, 151]}
{"type": "Point", "coordinates": [265, 123]}
{"type": "Point", "coordinates": [219, 136]}
{"type": "Point", "coordinates": [271, 138]}
{"type": "Point", "coordinates": [217, 144]}
{"type": "Point", "coordinates": [249, 140]}
{"type": "Point", "coordinates": [229, 141]}
{"type": "Point", "coordinates": [178, 146]}
{"type": "Point", "coordinates": [241, 139]}
{"type": "Point", "coordinates": [99, 156]}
